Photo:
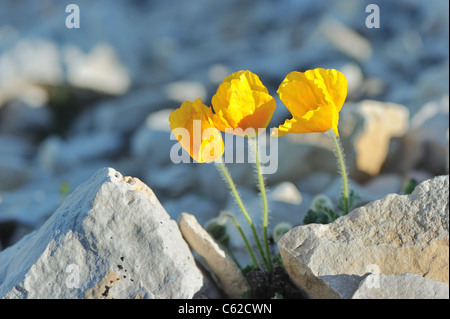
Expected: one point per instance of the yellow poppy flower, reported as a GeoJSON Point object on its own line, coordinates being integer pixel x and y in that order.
{"type": "Point", "coordinates": [314, 99]}
{"type": "Point", "coordinates": [242, 102]}
{"type": "Point", "coordinates": [193, 128]}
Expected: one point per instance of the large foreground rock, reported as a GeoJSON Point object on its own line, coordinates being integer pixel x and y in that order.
{"type": "Point", "coordinates": [406, 286]}
{"type": "Point", "coordinates": [393, 235]}
{"type": "Point", "coordinates": [111, 238]}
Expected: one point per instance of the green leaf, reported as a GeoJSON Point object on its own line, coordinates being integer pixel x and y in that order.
{"type": "Point", "coordinates": [320, 201]}
{"type": "Point", "coordinates": [353, 199]}
{"type": "Point", "coordinates": [313, 217]}
{"type": "Point", "coordinates": [64, 189]}
{"type": "Point", "coordinates": [331, 214]}
{"type": "Point", "coordinates": [409, 186]}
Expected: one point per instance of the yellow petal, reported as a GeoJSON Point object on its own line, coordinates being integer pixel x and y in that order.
{"type": "Point", "coordinates": [261, 116]}
{"type": "Point", "coordinates": [242, 102]}
{"type": "Point", "coordinates": [299, 94]}
{"type": "Point", "coordinates": [314, 121]}
{"type": "Point", "coordinates": [205, 141]}
{"type": "Point", "coordinates": [247, 79]}
{"type": "Point", "coordinates": [333, 84]}
{"type": "Point", "coordinates": [314, 99]}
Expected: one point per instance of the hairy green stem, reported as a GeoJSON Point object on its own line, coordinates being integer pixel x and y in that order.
{"type": "Point", "coordinates": [227, 176]}
{"type": "Point", "coordinates": [340, 157]}
{"type": "Point", "coordinates": [247, 245]}
{"type": "Point", "coordinates": [262, 189]}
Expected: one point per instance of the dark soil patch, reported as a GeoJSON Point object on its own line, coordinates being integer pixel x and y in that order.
{"type": "Point", "coordinates": [276, 284]}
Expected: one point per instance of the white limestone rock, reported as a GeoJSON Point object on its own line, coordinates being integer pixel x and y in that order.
{"type": "Point", "coordinates": [224, 268]}
{"type": "Point", "coordinates": [99, 70]}
{"type": "Point", "coordinates": [366, 130]}
{"type": "Point", "coordinates": [111, 238]}
{"type": "Point", "coordinates": [426, 144]}
{"type": "Point", "coordinates": [406, 286]}
{"type": "Point", "coordinates": [393, 235]}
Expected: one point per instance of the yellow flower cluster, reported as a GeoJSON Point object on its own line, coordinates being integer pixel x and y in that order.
{"type": "Point", "coordinates": [242, 105]}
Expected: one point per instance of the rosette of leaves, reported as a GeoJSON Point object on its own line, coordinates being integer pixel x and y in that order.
{"type": "Point", "coordinates": [322, 209]}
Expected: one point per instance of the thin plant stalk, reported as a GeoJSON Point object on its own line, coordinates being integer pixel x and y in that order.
{"type": "Point", "coordinates": [241, 232]}
{"type": "Point", "coordinates": [227, 176]}
{"type": "Point", "coordinates": [340, 157]}
{"type": "Point", "coordinates": [262, 189]}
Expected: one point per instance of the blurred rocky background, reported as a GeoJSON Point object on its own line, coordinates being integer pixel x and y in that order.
{"type": "Point", "coordinates": [75, 100]}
